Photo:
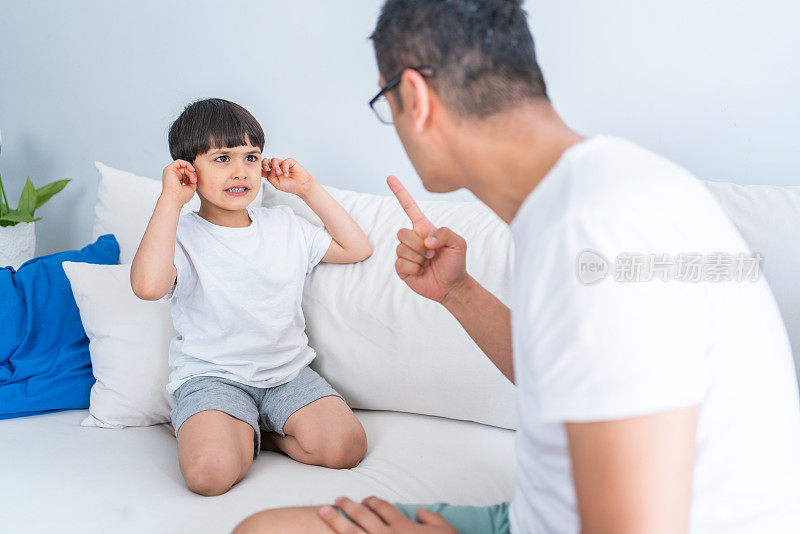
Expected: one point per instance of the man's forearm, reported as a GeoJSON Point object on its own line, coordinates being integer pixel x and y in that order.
{"type": "Point", "coordinates": [486, 320]}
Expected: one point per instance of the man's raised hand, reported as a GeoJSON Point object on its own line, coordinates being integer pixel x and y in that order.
{"type": "Point", "coordinates": [430, 260]}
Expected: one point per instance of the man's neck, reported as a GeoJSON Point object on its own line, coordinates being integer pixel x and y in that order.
{"type": "Point", "coordinates": [508, 155]}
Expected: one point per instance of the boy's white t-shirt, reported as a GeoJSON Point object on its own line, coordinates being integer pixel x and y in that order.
{"type": "Point", "coordinates": [236, 300]}
{"type": "Point", "coordinates": [613, 350]}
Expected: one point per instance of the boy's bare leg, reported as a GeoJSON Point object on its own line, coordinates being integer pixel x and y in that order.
{"type": "Point", "coordinates": [324, 432]}
{"type": "Point", "coordinates": [215, 451]}
{"type": "Point", "coordinates": [300, 519]}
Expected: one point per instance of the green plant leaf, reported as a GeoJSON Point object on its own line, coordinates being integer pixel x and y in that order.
{"type": "Point", "coordinates": [27, 201]}
{"type": "Point", "coordinates": [17, 217]}
{"type": "Point", "coordinates": [44, 193]}
{"type": "Point", "coordinates": [3, 198]}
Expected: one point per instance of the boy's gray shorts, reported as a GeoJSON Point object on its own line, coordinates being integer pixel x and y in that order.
{"type": "Point", "coordinates": [266, 408]}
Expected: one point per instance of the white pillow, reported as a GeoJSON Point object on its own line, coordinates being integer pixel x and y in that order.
{"type": "Point", "coordinates": [386, 348]}
{"type": "Point", "coordinates": [129, 346]}
{"type": "Point", "coordinates": [125, 203]}
{"type": "Point", "coordinates": [768, 217]}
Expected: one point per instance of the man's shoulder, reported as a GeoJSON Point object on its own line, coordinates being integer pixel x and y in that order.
{"type": "Point", "coordinates": [618, 172]}
{"type": "Point", "coordinates": [618, 153]}
{"type": "Point", "coordinates": [610, 179]}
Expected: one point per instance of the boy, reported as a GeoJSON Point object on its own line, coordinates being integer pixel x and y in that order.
{"type": "Point", "coordinates": [235, 275]}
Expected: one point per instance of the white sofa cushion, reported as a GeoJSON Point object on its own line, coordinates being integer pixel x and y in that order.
{"type": "Point", "coordinates": [128, 344]}
{"type": "Point", "coordinates": [386, 348]}
{"type": "Point", "coordinates": [768, 217]}
{"type": "Point", "coordinates": [61, 477]}
{"type": "Point", "coordinates": [124, 205]}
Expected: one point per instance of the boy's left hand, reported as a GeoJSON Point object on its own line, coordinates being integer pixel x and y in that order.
{"type": "Point", "coordinates": [287, 175]}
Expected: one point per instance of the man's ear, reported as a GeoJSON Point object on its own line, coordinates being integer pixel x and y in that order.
{"type": "Point", "coordinates": [416, 97]}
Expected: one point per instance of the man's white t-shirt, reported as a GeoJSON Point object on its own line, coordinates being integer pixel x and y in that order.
{"type": "Point", "coordinates": [236, 300]}
{"type": "Point", "coordinates": [614, 349]}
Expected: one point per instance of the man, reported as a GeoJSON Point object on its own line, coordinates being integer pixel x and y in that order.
{"type": "Point", "coordinates": [647, 402]}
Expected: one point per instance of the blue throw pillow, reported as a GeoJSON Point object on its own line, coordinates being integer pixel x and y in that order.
{"type": "Point", "coordinates": [44, 351]}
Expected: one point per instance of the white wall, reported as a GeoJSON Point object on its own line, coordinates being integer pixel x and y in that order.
{"type": "Point", "coordinates": [711, 84]}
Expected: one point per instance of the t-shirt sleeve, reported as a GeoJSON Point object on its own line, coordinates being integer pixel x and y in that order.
{"type": "Point", "coordinates": [168, 297]}
{"type": "Point", "coordinates": [610, 349]}
{"type": "Point", "coordinates": [317, 240]}
{"type": "Point", "coordinates": [182, 266]}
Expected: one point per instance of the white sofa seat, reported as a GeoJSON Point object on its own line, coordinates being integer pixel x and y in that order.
{"type": "Point", "coordinates": [58, 476]}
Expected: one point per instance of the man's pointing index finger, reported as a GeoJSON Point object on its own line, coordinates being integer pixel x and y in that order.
{"type": "Point", "coordinates": [422, 226]}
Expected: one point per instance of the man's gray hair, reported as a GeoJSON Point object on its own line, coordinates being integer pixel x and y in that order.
{"type": "Point", "coordinates": [481, 51]}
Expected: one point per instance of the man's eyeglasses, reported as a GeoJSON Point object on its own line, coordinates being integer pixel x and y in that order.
{"type": "Point", "coordinates": [380, 105]}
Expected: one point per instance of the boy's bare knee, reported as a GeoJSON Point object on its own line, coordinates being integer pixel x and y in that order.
{"type": "Point", "coordinates": [208, 483]}
{"type": "Point", "coordinates": [346, 450]}
{"type": "Point", "coordinates": [211, 474]}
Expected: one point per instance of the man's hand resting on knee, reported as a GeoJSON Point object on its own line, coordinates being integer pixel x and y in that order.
{"type": "Point", "coordinates": [376, 516]}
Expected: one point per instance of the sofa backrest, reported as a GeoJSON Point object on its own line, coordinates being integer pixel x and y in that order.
{"type": "Point", "coordinates": [380, 344]}
{"type": "Point", "coordinates": [412, 356]}
{"type": "Point", "coordinates": [386, 348]}
{"type": "Point", "coordinates": [768, 217]}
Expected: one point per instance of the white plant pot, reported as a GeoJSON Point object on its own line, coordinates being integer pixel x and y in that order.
{"type": "Point", "coordinates": [17, 244]}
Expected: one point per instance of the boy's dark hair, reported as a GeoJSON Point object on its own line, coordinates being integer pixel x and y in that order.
{"type": "Point", "coordinates": [481, 51]}
{"type": "Point", "coordinates": [212, 123]}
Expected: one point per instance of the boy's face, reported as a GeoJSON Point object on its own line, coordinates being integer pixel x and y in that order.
{"type": "Point", "coordinates": [229, 178]}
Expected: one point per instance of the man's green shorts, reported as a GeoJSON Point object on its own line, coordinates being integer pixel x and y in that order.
{"type": "Point", "coordinates": [465, 519]}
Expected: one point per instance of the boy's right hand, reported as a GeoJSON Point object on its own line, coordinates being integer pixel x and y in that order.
{"type": "Point", "coordinates": [179, 182]}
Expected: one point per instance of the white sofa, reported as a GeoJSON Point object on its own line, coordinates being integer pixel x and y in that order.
{"type": "Point", "coordinates": [439, 418]}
